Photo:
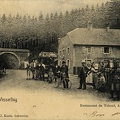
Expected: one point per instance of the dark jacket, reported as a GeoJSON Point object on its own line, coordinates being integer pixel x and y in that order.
{"type": "Point", "coordinates": [41, 68]}
{"type": "Point", "coordinates": [83, 72]}
{"type": "Point", "coordinates": [64, 69]}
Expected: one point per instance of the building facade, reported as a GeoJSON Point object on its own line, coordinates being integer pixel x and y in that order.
{"type": "Point", "coordinates": [88, 44]}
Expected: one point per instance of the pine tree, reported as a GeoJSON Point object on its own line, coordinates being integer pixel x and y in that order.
{"type": "Point", "coordinates": [3, 18]}
{"type": "Point", "coordinates": [113, 8]}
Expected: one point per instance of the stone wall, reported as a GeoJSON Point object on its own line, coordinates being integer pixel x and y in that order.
{"type": "Point", "coordinates": [13, 58]}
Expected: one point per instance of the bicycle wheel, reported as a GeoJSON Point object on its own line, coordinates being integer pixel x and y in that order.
{"type": "Point", "coordinates": [56, 83]}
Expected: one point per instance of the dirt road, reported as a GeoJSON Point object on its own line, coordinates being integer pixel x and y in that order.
{"type": "Point", "coordinates": [40, 100]}
{"type": "Point", "coordinates": [16, 79]}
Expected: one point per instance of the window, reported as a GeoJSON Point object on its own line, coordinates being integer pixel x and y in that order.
{"type": "Point", "coordinates": [83, 50]}
{"type": "Point", "coordinates": [60, 63]}
{"type": "Point", "coordinates": [106, 50]}
{"type": "Point", "coordinates": [63, 52]}
{"type": "Point", "coordinates": [60, 53]}
{"type": "Point", "coordinates": [68, 63]}
{"type": "Point", "coordinates": [68, 50]}
{"type": "Point", "coordinates": [89, 50]}
{"type": "Point", "coordinates": [92, 50]}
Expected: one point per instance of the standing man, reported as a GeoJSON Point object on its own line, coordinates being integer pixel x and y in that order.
{"type": "Point", "coordinates": [41, 72]}
{"type": "Point", "coordinates": [83, 74]}
{"type": "Point", "coordinates": [64, 70]}
{"type": "Point", "coordinates": [37, 71]}
{"type": "Point", "coordinates": [28, 68]}
{"type": "Point", "coordinates": [33, 67]}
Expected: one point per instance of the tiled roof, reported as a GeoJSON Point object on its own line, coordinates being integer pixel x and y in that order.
{"type": "Point", "coordinates": [83, 36]}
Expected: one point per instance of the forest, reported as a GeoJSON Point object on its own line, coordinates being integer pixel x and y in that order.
{"type": "Point", "coordinates": [41, 33]}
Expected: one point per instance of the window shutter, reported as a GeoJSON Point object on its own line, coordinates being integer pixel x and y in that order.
{"type": "Point", "coordinates": [84, 50]}
{"type": "Point", "coordinates": [110, 50]}
{"type": "Point", "coordinates": [102, 50]}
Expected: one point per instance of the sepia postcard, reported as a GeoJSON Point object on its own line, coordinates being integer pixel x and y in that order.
{"type": "Point", "coordinates": [59, 60]}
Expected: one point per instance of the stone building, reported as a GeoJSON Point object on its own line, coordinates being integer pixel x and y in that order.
{"type": "Point", "coordinates": [88, 44]}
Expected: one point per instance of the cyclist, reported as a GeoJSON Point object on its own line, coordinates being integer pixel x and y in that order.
{"type": "Point", "coordinates": [64, 74]}
{"type": "Point", "coordinates": [56, 72]}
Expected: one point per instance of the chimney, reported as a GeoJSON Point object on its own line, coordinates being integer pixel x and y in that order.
{"type": "Point", "coordinates": [89, 25]}
{"type": "Point", "coordinates": [107, 27]}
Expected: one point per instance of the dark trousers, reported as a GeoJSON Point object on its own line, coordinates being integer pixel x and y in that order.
{"type": "Point", "coordinates": [33, 73]}
{"type": "Point", "coordinates": [65, 83]}
{"type": "Point", "coordinates": [41, 76]}
{"type": "Point", "coordinates": [83, 83]}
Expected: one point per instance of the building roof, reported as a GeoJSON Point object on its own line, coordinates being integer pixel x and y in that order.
{"type": "Point", "coordinates": [83, 36]}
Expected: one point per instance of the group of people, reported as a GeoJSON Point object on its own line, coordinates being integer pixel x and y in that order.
{"type": "Point", "coordinates": [98, 77]}
{"type": "Point", "coordinates": [35, 71]}
{"type": "Point", "coordinates": [53, 72]}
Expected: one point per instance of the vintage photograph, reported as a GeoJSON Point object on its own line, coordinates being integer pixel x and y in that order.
{"type": "Point", "coordinates": [60, 59]}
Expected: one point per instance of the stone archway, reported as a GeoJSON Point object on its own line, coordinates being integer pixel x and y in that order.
{"type": "Point", "coordinates": [10, 60]}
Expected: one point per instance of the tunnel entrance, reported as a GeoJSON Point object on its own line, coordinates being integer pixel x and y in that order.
{"type": "Point", "coordinates": [9, 61]}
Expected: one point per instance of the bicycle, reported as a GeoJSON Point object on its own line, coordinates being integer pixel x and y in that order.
{"type": "Point", "coordinates": [58, 82]}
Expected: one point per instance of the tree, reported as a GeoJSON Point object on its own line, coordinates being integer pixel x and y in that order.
{"type": "Point", "coordinates": [3, 18]}
{"type": "Point", "coordinates": [113, 9]}
{"type": "Point", "coordinates": [40, 18]}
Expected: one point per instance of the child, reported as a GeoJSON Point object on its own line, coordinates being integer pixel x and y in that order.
{"type": "Point", "coordinates": [50, 75]}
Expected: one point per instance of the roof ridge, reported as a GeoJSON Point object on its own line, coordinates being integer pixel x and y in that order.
{"type": "Point", "coordinates": [72, 31]}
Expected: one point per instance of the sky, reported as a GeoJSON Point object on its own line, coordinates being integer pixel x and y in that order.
{"type": "Point", "coordinates": [34, 7]}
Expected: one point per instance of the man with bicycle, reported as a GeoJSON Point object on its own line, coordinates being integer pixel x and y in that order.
{"type": "Point", "coordinates": [64, 72]}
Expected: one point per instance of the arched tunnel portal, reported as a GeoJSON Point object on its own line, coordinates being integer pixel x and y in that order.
{"type": "Point", "coordinates": [9, 60]}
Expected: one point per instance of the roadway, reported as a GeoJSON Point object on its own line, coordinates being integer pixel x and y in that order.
{"type": "Point", "coordinates": [41, 100]}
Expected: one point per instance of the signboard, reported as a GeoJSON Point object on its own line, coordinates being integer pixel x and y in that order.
{"type": "Point", "coordinates": [48, 54]}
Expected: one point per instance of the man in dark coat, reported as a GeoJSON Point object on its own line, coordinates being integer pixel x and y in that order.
{"type": "Point", "coordinates": [64, 69]}
{"type": "Point", "coordinates": [83, 74]}
{"type": "Point", "coordinates": [56, 72]}
{"type": "Point", "coordinates": [41, 72]}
